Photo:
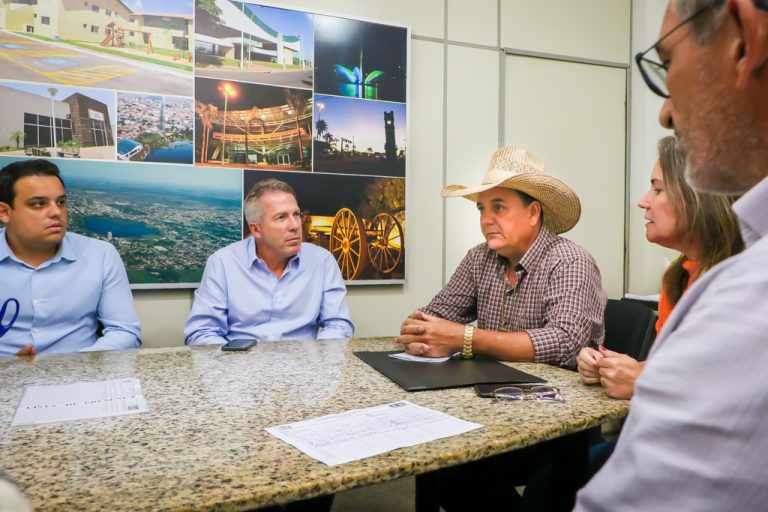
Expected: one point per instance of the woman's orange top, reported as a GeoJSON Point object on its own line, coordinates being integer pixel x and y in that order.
{"type": "Point", "coordinates": [665, 308]}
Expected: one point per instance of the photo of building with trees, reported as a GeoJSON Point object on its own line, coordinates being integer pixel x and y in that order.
{"type": "Point", "coordinates": [103, 43]}
{"type": "Point", "coordinates": [82, 120]}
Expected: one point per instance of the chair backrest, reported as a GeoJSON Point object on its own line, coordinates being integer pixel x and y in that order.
{"type": "Point", "coordinates": [630, 328]}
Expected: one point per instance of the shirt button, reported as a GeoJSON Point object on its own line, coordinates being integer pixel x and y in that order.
{"type": "Point", "coordinates": [35, 330]}
{"type": "Point", "coordinates": [35, 301]}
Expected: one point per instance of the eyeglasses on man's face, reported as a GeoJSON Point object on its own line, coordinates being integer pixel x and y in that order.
{"type": "Point", "coordinates": [654, 72]}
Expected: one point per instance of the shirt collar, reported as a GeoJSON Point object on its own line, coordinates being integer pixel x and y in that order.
{"type": "Point", "coordinates": [250, 251]}
{"type": "Point", "coordinates": [533, 255]}
{"type": "Point", "coordinates": [5, 250]}
{"type": "Point", "coordinates": [253, 258]}
{"type": "Point", "coordinates": [535, 252]}
{"type": "Point", "coordinates": [752, 211]}
{"type": "Point", "coordinates": [66, 249]}
{"type": "Point", "coordinates": [692, 266]}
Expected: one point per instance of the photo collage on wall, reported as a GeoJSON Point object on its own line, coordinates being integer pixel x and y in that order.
{"type": "Point", "coordinates": [161, 115]}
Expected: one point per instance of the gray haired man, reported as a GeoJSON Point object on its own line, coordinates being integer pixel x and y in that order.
{"type": "Point", "coordinates": [270, 286]}
{"type": "Point", "coordinates": [695, 438]}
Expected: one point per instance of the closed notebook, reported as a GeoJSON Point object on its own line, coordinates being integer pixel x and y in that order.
{"type": "Point", "coordinates": [453, 373]}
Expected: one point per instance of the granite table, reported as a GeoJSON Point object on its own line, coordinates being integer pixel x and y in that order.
{"type": "Point", "coordinates": [202, 445]}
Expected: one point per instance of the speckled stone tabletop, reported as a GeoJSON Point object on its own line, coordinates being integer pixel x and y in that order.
{"type": "Point", "coordinates": [202, 445]}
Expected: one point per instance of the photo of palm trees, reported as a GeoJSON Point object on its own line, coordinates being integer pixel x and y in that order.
{"type": "Point", "coordinates": [244, 125]}
{"type": "Point", "coordinates": [354, 136]}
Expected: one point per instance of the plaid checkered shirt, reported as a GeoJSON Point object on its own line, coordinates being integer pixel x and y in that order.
{"type": "Point", "coordinates": [559, 299]}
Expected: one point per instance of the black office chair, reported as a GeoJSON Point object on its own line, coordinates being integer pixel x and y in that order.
{"type": "Point", "coordinates": [630, 328]}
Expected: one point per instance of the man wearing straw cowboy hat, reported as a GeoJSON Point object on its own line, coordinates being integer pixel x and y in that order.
{"type": "Point", "coordinates": [535, 295]}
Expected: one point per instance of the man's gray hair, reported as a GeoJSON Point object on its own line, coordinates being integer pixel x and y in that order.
{"type": "Point", "coordinates": [706, 24]}
{"type": "Point", "coordinates": [254, 210]}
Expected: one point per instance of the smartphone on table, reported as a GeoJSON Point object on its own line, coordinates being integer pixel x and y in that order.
{"type": "Point", "coordinates": [238, 345]}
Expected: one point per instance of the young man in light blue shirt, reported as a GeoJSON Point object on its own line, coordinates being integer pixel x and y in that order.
{"type": "Point", "coordinates": [56, 287]}
{"type": "Point", "coordinates": [270, 286]}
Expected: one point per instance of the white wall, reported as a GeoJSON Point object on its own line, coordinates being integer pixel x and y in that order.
{"type": "Point", "coordinates": [572, 115]}
{"type": "Point", "coordinates": [591, 29]}
{"type": "Point", "coordinates": [472, 136]}
{"type": "Point", "coordinates": [646, 261]}
{"type": "Point", "coordinates": [456, 121]}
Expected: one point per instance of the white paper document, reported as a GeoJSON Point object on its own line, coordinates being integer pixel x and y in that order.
{"type": "Point", "coordinates": [405, 356]}
{"type": "Point", "coordinates": [48, 404]}
{"type": "Point", "coordinates": [360, 433]}
{"type": "Point", "coordinates": [647, 298]}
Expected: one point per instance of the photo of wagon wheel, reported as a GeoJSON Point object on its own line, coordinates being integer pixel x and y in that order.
{"type": "Point", "coordinates": [386, 244]}
{"type": "Point", "coordinates": [349, 243]}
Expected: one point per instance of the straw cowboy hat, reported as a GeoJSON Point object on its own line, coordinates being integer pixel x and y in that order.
{"type": "Point", "coordinates": [519, 169]}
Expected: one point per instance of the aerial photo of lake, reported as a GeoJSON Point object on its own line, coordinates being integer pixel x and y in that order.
{"type": "Point", "coordinates": [164, 220]}
{"type": "Point", "coordinates": [177, 152]}
{"type": "Point", "coordinates": [114, 227]}
{"type": "Point", "coordinates": [164, 232]}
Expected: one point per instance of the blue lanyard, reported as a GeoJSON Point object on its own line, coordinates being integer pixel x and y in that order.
{"type": "Point", "coordinates": [7, 327]}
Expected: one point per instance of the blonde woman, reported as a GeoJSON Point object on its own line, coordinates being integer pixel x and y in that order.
{"type": "Point", "coordinates": [701, 226]}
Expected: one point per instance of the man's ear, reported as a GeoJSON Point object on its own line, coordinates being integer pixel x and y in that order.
{"type": "Point", "coordinates": [750, 51]}
{"type": "Point", "coordinates": [535, 212]}
{"type": "Point", "coordinates": [254, 229]}
{"type": "Point", "coordinates": [5, 212]}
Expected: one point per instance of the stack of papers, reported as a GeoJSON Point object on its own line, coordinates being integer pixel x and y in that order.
{"type": "Point", "coordinates": [361, 433]}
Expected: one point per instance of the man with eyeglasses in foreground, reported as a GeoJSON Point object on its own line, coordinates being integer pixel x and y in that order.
{"type": "Point", "coordinates": [694, 439]}
{"type": "Point", "coordinates": [56, 287]}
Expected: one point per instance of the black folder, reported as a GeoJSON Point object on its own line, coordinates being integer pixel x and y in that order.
{"type": "Point", "coordinates": [453, 373]}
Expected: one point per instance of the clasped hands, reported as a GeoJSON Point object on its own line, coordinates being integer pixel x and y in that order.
{"type": "Point", "coordinates": [616, 372]}
{"type": "Point", "coordinates": [430, 336]}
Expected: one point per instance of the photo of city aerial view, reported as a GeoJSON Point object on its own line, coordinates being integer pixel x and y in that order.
{"type": "Point", "coordinates": [360, 59]}
{"type": "Point", "coordinates": [359, 219]}
{"type": "Point", "coordinates": [244, 125]}
{"type": "Point", "coordinates": [134, 45]}
{"type": "Point", "coordinates": [155, 128]}
{"type": "Point", "coordinates": [355, 136]}
{"type": "Point", "coordinates": [164, 221]}
{"type": "Point", "coordinates": [253, 43]}
{"type": "Point", "coordinates": [82, 118]}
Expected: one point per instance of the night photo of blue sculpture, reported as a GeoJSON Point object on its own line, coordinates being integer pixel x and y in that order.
{"type": "Point", "coordinates": [359, 59]}
{"type": "Point", "coordinates": [356, 83]}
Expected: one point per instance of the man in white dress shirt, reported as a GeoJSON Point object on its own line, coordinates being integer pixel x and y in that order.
{"type": "Point", "coordinates": [696, 437]}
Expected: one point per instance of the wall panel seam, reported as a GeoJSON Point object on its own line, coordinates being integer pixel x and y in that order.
{"type": "Point", "coordinates": [564, 58]}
